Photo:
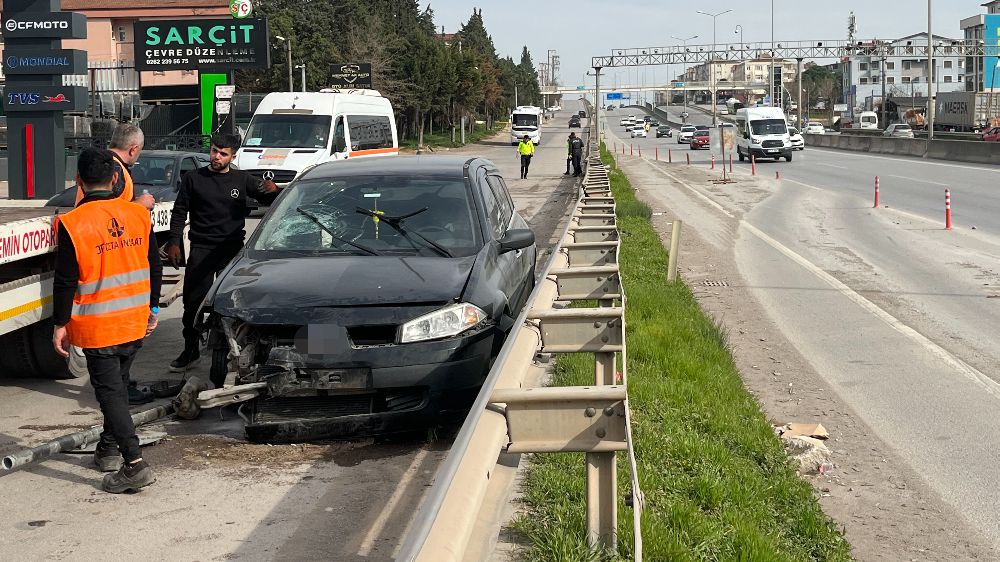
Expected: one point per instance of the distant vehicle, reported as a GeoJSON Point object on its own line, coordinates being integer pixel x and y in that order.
{"type": "Point", "coordinates": [701, 127]}
{"type": "Point", "coordinates": [647, 118]}
{"type": "Point", "coordinates": [867, 120]}
{"type": "Point", "coordinates": [526, 120]}
{"type": "Point", "coordinates": [722, 109]}
{"type": "Point", "coordinates": [699, 140]}
{"type": "Point", "coordinates": [798, 143]}
{"type": "Point", "coordinates": [582, 114]}
{"type": "Point", "coordinates": [687, 131]}
{"type": "Point", "coordinates": [637, 131]}
{"type": "Point", "coordinates": [574, 122]}
{"type": "Point", "coordinates": [992, 134]}
{"type": "Point", "coordinates": [899, 131]}
{"type": "Point", "coordinates": [815, 128]}
{"type": "Point", "coordinates": [610, 108]}
{"type": "Point", "coordinates": [293, 131]}
{"type": "Point", "coordinates": [733, 105]}
{"type": "Point", "coordinates": [654, 123]}
{"type": "Point", "coordinates": [763, 133]}
{"type": "Point", "coordinates": [623, 122]}
{"type": "Point", "coordinates": [685, 115]}
{"type": "Point", "coordinates": [664, 131]}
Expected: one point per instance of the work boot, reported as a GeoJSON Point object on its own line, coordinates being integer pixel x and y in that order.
{"type": "Point", "coordinates": [108, 460]}
{"type": "Point", "coordinates": [185, 360]}
{"type": "Point", "coordinates": [136, 396]}
{"type": "Point", "coordinates": [129, 478]}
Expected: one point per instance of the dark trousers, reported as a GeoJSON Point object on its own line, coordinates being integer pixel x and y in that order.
{"type": "Point", "coordinates": [525, 162]}
{"type": "Point", "coordinates": [108, 368]}
{"type": "Point", "coordinates": [203, 265]}
{"type": "Point", "coordinates": [577, 163]}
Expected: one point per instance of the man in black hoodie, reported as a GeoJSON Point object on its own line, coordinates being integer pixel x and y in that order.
{"type": "Point", "coordinates": [216, 199]}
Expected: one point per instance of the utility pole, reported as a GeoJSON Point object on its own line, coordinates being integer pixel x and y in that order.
{"type": "Point", "coordinates": [684, 89]}
{"type": "Point", "coordinates": [302, 67]}
{"type": "Point", "coordinates": [930, 76]}
{"type": "Point", "coordinates": [288, 48]}
{"type": "Point", "coordinates": [711, 66]}
{"type": "Point", "coordinates": [771, 75]}
{"type": "Point", "coordinates": [800, 111]}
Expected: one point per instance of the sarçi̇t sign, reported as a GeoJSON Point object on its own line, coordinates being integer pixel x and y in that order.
{"type": "Point", "coordinates": [211, 44]}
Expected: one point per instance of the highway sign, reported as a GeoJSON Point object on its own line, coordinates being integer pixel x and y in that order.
{"type": "Point", "coordinates": [614, 95]}
{"type": "Point", "coordinates": [581, 87]}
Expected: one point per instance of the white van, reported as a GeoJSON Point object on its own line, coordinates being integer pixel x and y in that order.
{"type": "Point", "coordinates": [526, 120]}
{"type": "Point", "coordinates": [868, 120]}
{"type": "Point", "coordinates": [763, 133]}
{"type": "Point", "coordinates": [291, 131]}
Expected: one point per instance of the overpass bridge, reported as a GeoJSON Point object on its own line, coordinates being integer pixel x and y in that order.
{"type": "Point", "coordinates": [678, 86]}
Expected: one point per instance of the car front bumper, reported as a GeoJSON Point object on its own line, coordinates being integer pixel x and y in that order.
{"type": "Point", "coordinates": [771, 152]}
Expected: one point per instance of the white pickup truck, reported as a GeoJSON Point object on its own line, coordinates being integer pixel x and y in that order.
{"type": "Point", "coordinates": [27, 261]}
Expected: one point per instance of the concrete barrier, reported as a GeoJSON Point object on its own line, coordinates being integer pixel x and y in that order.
{"type": "Point", "coordinates": [975, 152]}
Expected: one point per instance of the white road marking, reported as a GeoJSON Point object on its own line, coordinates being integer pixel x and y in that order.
{"type": "Point", "coordinates": [692, 189]}
{"type": "Point", "coordinates": [390, 506]}
{"type": "Point", "coordinates": [830, 165]}
{"type": "Point", "coordinates": [970, 372]}
{"type": "Point", "coordinates": [931, 162]}
{"type": "Point", "coordinates": [916, 180]}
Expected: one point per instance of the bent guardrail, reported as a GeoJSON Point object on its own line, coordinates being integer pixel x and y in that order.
{"type": "Point", "coordinates": [506, 417]}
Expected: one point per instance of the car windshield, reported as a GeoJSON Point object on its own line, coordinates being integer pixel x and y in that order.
{"type": "Point", "coordinates": [336, 216]}
{"type": "Point", "coordinates": [687, 129]}
{"type": "Point", "coordinates": [902, 127]}
{"type": "Point", "coordinates": [701, 133]}
{"type": "Point", "coordinates": [284, 130]}
{"type": "Point", "coordinates": [528, 119]}
{"type": "Point", "coordinates": [768, 127]}
{"type": "Point", "coordinates": [153, 170]}
{"type": "Point", "coordinates": [793, 131]}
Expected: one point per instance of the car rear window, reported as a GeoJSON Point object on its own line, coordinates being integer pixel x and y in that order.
{"type": "Point", "coordinates": [321, 216]}
{"type": "Point", "coordinates": [701, 133]}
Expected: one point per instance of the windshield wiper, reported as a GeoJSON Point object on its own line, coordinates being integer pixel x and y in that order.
{"type": "Point", "coordinates": [397, 224]}
{"type": "Point", "coordinates": [316, 220]}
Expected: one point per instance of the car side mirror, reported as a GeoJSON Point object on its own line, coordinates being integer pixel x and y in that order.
{"type": "Point", "coordinates": [516, 239]}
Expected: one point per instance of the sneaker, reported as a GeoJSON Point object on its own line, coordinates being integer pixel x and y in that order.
{"type": "Point", "coordinates": [129, 478]}
{"type": "Point", "coordinates": [137, 396]}
{"type": "Point", "coordinates": [108, 460]}
{"type": "Point", "coordinates": [187, 359]}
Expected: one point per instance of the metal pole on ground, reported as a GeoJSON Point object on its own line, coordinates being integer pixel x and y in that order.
{"type": "Point", "coordinates": [675, 244]}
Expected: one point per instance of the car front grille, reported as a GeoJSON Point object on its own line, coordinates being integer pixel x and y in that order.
{"type": "Point", "coordinates": [280, 176]}
{"type": "Point", "coordinates": [292, 408]}
{"type": "Point", "coordinates": [772, 144]}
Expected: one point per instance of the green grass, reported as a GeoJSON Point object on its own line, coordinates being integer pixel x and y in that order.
{"type": "Point", "coordinates": [443, 139]}
{"type": "Point", "coordinates": [717, 482]}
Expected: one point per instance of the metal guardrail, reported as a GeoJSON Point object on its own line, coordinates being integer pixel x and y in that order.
{"type": "Point", "coordinates": [506, 417]}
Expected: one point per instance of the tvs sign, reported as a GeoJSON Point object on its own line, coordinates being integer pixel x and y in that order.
{"type": "Point", "coordinates": [44, 98]}
{"type": "Point", "coordinates": [57, 25]}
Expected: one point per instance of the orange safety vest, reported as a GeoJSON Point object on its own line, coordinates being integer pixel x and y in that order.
{"type": "Point", "coordinates": [128, 194]}
{"type": "Point", "coordinates": [111, 305]}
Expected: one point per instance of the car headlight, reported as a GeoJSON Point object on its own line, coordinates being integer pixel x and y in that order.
{"type": "Point", "coordinates": [448, 321]}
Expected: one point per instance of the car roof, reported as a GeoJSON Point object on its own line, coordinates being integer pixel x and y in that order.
{"type": "Point", "coordinates": [169, 153]}
{"type": "Point", "coordinates": [435, 165]}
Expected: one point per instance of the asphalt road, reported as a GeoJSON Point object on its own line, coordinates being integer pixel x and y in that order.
{"type": "Point", "coordinates": [218, 497]}
{"type": "Point", "coordinates": [896, 313]}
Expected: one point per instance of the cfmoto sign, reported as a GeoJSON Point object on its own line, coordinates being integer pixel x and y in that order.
{"type": "Point", "coordinates": [57, 25]}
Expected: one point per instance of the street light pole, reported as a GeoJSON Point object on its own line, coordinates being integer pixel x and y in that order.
{"type": "Point", "coordinates": [930, 76]}
{"type": "Point", "coordinates": [288, 48]}
{"type": "Point", "coordinates": [711, 66]}
{"type": "Point", "coordinates": [685, 42]}
{"type": "Point", "coordinates": [303, 68]}
{"type": "Point", "coordinates": [770, 78]}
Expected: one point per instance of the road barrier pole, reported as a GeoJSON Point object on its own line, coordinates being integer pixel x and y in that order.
{"type": "Point", "coordinates": [777, 175]}
{"type": "Point", "coordinates": [753, 165]}
{"type": "Point", "coordinates": [631, 150]}
{"type": "Point", "coordinates": [675, 244]}
{"type": "Point", "coordinates": [640, 152]}
{"type": "Point", "coordinates": [730, 162]}
{"type": "Point", "coordinates": [947, 209]}
{"type": "Point", "coordinates": [713, 162]}
{"type": "Point", "coordinates": [670, 156]}
{"type": "Point", "coordinates": [876, 193]}
{"type": "Point", "coordinates": [688, 155]}
{"type": "Point", "coordinates": [657, 154]}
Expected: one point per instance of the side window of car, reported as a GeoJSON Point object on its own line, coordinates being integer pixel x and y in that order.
{"type": "Point", "coordinates": [339, 138]}
{"type": "Point", "coordinates": [503, 199]}
{"type": "Point", "coordinates": [492, 207]}
{"type": "Point", "coordinates": [188, 165]}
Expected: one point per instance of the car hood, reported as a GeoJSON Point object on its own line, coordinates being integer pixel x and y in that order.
{"type": "Point", "coordinates": [297, 159]}
{"type": "Point", "coordinates": [252, 287]}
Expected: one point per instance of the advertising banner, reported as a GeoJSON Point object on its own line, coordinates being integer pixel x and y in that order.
{"type": "Point", "coordinates": [210, 44]}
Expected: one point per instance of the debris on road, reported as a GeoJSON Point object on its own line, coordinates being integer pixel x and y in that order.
{"type": "Point", "coordinates": [814, 430]}
{"type": "Point", "coordinates": [812, 454]}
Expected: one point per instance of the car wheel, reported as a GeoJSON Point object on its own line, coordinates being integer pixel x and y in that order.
{"type": "Point", "coordinates": [220, 364]}
{"type": "Point", "coordinates": [740, 154]}
{"type": "Point", "coordinates": [788, 158]}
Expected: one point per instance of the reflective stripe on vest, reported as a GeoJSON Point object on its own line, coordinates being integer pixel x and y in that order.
{"type": "Point", "coordinates": [111, 305]}
{"type": "Point", "coordinates": [128, 192]}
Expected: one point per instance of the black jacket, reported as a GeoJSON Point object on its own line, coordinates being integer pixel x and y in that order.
{"type": "Point", "coordinates": [217, 204]}
{"type": "Point", "coordinates": [66, 278]}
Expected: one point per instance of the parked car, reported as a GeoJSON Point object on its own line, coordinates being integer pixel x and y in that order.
{"type": "Point", "coordinates": [685, 134]}
{"type": "Point", "coordinates": [638, 130]}
{"type": "Point", "coordinates": [798, 143]}
{"type": "Point", "coordinates": [664, 131]}
{"type": "Point", "coordinates": [574, 121]}
{"type": "Point", "coordinates": [815, 128]}
{"type": "Point", "coordinates": [157, 171]}
{"type": "Point", "coordinates": [992, 134]}
{"type": "Point", "coordinates": [898, 130]}
{"type": "Point", "coordinates": [364, 326]}
{"type": "Point", "coordinates": [699, 139]}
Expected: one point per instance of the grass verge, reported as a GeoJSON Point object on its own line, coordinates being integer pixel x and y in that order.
{"type": "Point", "coordinates": [717, 482]}
{"type": "Point", "coordinates": [443, 140]}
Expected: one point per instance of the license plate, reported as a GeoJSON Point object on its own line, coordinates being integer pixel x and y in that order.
{"type": "Point", "coordinates": [772, 150]}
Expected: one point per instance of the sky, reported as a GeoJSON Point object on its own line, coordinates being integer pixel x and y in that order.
{"type": "Point", "coordinates": [567, 26]}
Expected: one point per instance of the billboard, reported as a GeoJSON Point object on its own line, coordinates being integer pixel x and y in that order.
{"type": "Point", "coordinates": [991, 36]}
{"type": "Point", "coordinates": [210, 44]}
{"type": "Point", "coordinates": [351, 76]}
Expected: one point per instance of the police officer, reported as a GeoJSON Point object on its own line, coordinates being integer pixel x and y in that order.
{"type": "Point", "coordinates": [576, 152]}
{"type": "Point", "coordinates": [216, 198]}
{"type": "Point", "coordinates": [526, 149]}
{"type": "Point", "coordinates": [105, 293]}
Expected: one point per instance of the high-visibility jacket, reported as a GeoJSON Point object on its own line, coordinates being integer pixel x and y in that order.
{"type": "Point", "coordinates": [111, 305]}
{"type": "Point", "coordinates": [526, 148]}
{"type": "Point", "coordinates": [127, 194]}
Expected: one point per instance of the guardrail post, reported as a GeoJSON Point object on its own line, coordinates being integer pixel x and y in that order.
{"type": "Point", "coordinates": [675, 244]}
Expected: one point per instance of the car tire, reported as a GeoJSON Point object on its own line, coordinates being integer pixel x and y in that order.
{"type": "Point", "coordinates": [788, 158]}
{"type": "Point", "coordinates": [220, 363]}
{"type": "Point", "coordinates": [740, 155]}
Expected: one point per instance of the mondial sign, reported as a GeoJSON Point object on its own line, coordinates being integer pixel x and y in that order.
{"type": "Point", "coordinates": [209, 44]}
{"type": "Point", "coordinates": [57, 25]}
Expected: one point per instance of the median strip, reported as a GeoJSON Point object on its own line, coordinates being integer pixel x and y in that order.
{"type": "Point", "coordinates": [717, 482]}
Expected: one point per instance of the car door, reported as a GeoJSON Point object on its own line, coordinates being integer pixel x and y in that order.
{"type": "Point", "coordinates": [505, 273]}
{"type": "Point", "coordinates": [520, 268]}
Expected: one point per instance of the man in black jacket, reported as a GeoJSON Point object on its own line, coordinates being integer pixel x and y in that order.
{"type": "Point", "coordinates": [215, 197]}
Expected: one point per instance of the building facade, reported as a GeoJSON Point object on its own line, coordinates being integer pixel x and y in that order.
{"type": "Point", "coordinates": [974, 29]}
